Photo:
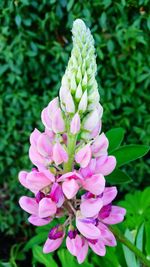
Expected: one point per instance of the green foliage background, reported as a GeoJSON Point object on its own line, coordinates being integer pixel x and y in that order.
{"type": "Point", "coordinates": [35, 43]}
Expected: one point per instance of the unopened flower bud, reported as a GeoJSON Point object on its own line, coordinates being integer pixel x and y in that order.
{"type": "Point", "coordinates": [78, 92]}
{"type": "Point", "coordinates": [79, 75]}
{"type": "Point", "coordinates": [73, 84]}
{"type": "Point", "coordinates": [75, 124]}
{"type": "Point", "coordinates": [83, 102]}
{"type": "Point", "coordinates": [91, 120]}
{"type": "Point", "coordinates": [84, 81]}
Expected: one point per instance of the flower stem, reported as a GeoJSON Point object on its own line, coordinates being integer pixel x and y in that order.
{"type": "Point", "coordinates": [131, 246]}
{"type": "Point", "coordinates": [71, 152]}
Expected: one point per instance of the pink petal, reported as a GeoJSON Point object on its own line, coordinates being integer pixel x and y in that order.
{"type": "Point", "coordinates": [22, 178]}
{"type": "Point", "coordinates": [34, 137]}
{"type": "Point", "coordinates": [47, 208]}
{"type": "Point", "coordinates": [29, 205]}
{"type": "Point", "coordinates": [57, 194]}
{"type": "Point", "coordinates": [58, 124]}
{"type": "Point", "coordinates": [59, 154]}
{"type": "Point", "coordinates": [35, 157]}
{"type": "Point", "coordinates": [87, 229]}
{"type": "Point", "coordinates": [90, 169]}
{"type": "Point", "coordinates": [51, 244]}
{"type": "Point", "coordinates": [53, 107]}
{"type": "Point", "coordinates": [100, 146]}
{"type": "Point", "coordinates": [36, 181]}
{"type": "Point", "coordinates": [82, 252]}
{"type": "Point", "coordinates": [107, 236]}
{"type": "Point", "coordinates": [91, 207]}
{"type": "Point", "coordinates": [46, 119]}
{"type": "Point", "coordinates": [71, 245]}
{"type": "Point", "coordinates": [69, 103]}
{"type": "Point", "coordinates": [96, 130]}
{"type": "Point", "coordinates": [47, 173]}
{"type": "Point", "coordinates": [98, 248]}
{"type": "Point", "coordinates": [83, 156]}
{"type": "Point", "coordinates": [95, 184]}
{"type": "Point", "coordinates": [44, 146]}
{"type": "Point", "coordinates": [35, 220]}
{"type": "Point", "coordinates": [109, 195]}
{"type": "Point", "coordinates": [70, 188]}
{"type": "Point", "coordinates": [116, 215]}
{"type": "Point", "coordinates": [70, 175]}
{"type": "Point", "coordinates": [50, 134]}
{"type": "Point", "coordinates": [105, 164]}
{"type": "Point", "coordinates": [75, 124]}
{"type": "Point", "coordinates": [91, 120]}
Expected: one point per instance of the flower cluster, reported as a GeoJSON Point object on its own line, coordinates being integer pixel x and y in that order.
{"type": "Point", "coordinates": [71, 161]}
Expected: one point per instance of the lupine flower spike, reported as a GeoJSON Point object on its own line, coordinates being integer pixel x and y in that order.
{"type": "Point", "coordinates": [71, 161]}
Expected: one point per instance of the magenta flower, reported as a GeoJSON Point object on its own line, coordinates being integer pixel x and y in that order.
{"type": "Point", "coordinates": [71, 161]}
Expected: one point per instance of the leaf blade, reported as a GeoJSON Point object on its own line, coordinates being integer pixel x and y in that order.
{"type": "Point", "coordinates": [115, 137]}
{"type": "Point", "coordinates": [128, 153]}
{"type": "Point", "coordinates": [118, 177]}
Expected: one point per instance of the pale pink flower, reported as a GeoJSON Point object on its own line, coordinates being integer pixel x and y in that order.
{"type": "Point", "coordinates": [77, 246]}
{"type": "Point", "coordinates": [75, 124]}
{"type": "Point", "coordinates": [83, 156]}
{"type": "Point", "coordinates": [71, 183]}
{"type": "Point", "coordinates": [59, 154]}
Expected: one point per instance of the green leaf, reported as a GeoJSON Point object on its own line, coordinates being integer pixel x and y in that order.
{"type": "Point", "coordinates": [5, 264]}
{"type": "Point", "coordinates": [137, 205]}
{"type": "Point", "coordinates": [128, 153]}
{"type": "Point", "coordinates": [36, 240]}
{"type": "Point", "coordinates": [70, 4]}
{"type": "Point", "coordinates": [118, 177]}
{"type": "Point", "coordinates": [66, 257]}
{"type": "Point", "coordinates": [139, 239]}
{"type": "Point", "coordinates": [115, 137]}
{"type": "Point", "coordinates": [147, 243]}
{"type": "Point", "coordinates": [45, 259]}
{"type": "Point", "coordinates": [18, 20]}
{"type": "Point", "coordinates": [129, 256]}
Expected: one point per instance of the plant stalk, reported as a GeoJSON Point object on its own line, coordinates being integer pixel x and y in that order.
{"type": "Point", "coordinates": [71, 152]}
{"type": "Point", "coordinates": [131, 246]}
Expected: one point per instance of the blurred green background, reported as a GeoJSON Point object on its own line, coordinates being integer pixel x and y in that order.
{"type": "Point", "coordinates": [35, 44]}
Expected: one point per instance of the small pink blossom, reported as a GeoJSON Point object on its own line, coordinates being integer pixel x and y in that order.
{"type": "Point", "coordinates": [83, 156]}
{"type": "Point", "coordinates": [75, 124]}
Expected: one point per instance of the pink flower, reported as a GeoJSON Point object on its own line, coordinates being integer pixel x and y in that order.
{"type": "Point", "coordinates": [52, 117]}
{"type": "Point", "coordinates": [77, 246]}
{"type": "Point", "coordinates": [59, 154]}
{"type": "Point", "coordinates": [75, 124]}
{"type": "Point", "coordinates": [101, 165]}
{"type": "Point", "coordinates": [94, 184]}
{"type": "Point", "coordinates": [87, 226]}
{"type": "Point", "coordinates": [41, 149]}
{"type": "Point", "coordinates": [71, 183]}
{"type": "Point", "coordinates": [35, 180]}
{"type": "Point", "coordinates": [40, 206]}
{"type": "Point", "coordinates": [58, 124]}
{"type": "Point", "coordinates": [83, 156]}
{"type": "Point", "coordinates": [90, 206]}
{"type": "Point", "coordinates": [105, 164]}
{"type": "Point", "coordinates": [100, 146]}
{"type": "Point", "coordinates": [55, 239]}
